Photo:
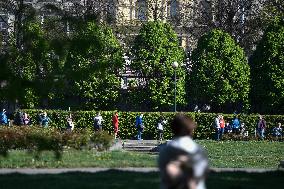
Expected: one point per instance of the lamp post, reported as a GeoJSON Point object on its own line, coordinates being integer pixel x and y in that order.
{"type": "Point", "coordinates": [175, 66]}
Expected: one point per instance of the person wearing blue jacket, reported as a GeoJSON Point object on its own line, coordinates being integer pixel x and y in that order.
{"type": "Point", "coordinates": [236, 125]}
{"type": "Point", "coordinates": [44, 120]}
{"type": "Point", "coordinates": [3, 117]}
{"type": "Point", "coordinates": [139, 126]}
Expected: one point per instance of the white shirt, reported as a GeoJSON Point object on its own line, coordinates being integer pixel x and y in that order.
{"type": "Point", "coordinates": [217, 123]}
{"type": "Point", "coordinates": [99, 119]}
{"type": "Point", "coordinates": [196, 153]}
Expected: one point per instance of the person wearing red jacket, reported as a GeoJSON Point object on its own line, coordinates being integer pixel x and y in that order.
{"type": "Point", "coordinates": [222, 126]}
{"type": "Point", "coordinates": [115, 124]}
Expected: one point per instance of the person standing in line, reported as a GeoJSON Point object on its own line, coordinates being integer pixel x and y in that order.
{"type": "Point", "coordinates": [277, 131]}
{"type": "Point", "coordinates": [26, 119]}
{"type": "Point", "coordinates": [98, 120]}
{"type": "Point", "coordinates": [222, 126]}
{"type": "Point", "coordinates": [228, 128]}
{"type": "Point", "coordinates": [182, 162]}
{"type": "Point", "coordinates": [261, 126]}
{"type": "Point", "coordinates": [236, 125]}
{"type": "Point", "coordinates": [217, 127]}
{"type": "Point", "coordinates": [3, 117]}
{"type": "Point", "coordinates": [160, 127]}
{"type": "Point", "coordinates": [139, 126]}
{"type": "Point", "coordinates": [19, 118]}
{"type": "Point", "coordinates": [70, 124]}
{"type": "Point", "coordinates": [115, 124]}
{"type": "Point", "coordinates": [44, 120]}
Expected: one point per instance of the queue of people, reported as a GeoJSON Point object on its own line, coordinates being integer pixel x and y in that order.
{"type": "Point", "coordinates": [235, 126]}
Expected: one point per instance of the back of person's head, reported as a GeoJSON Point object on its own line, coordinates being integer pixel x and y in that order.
{"type": "Point", "coordinates": [182, 125]}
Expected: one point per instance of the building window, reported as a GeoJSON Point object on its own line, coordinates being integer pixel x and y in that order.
{"type": "Point", "coordinates": [111, 11]}
{"type": "Point", "coordinates": [3, 22]}
{"type": "Point", "coordinates": [141, 12]}
{"type": "Point", "coordinates": [173, 8]}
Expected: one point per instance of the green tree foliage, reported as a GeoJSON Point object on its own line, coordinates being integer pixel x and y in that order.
{"type": "Point", "coordinates": [220, 74]}
{"type": "Point", "coordinates": [92, 65]}
{"type": "Point", "coordinates": [155, 49]}
{"type": "Point", "coordinates": [267, 68]}
{"type": "Point", "coordinates": [30, 66]}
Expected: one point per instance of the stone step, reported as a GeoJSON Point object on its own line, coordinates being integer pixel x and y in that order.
{"type": "Point", "coordinates": [134, 145]}
{"type": "Point", "coordinates": [139, 146]}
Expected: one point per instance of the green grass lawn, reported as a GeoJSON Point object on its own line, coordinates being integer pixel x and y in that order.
{"type": "Point", "coordinates": [129, 180]}
{"type": "Point", "coordinates": [228, 154]}
{"type": "Point", "coordinates": [244, 154]}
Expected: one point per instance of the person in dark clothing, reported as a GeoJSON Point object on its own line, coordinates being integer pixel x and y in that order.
{"type": "Point", "coordinates": [44, 120]}
{"type": "Point", "coordinates": [261, 126]}
{"type": "Point", "coordinates": [19, 118]}
{"type": "Point", "coordinates": [277, 131]}
{"type": "Point", "coordinates": [139, 126]}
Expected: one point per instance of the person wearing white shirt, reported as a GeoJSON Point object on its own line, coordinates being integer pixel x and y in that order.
{"type": "Point", "coordinates": [98, 120]}
{"type": "Point", "coordinates": [160, 127]}
{"type": "Point", "coordinates": [182, 162]}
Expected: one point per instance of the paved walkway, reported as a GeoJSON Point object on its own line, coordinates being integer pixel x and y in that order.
{"type": "Point", "coordinates": [131, 169]}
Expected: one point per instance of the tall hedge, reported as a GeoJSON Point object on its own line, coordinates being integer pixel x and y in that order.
{"type": "Point", "coordinates": [84, 119]}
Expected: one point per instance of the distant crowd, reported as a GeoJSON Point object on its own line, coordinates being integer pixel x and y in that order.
{"type": "Point", "coordinates": [238, 127]}
{"type": "Point", "coordinates": [221, 127]}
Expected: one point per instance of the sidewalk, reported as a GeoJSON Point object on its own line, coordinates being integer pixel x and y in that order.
{"type": "Point", "coordinates": [30, 171]}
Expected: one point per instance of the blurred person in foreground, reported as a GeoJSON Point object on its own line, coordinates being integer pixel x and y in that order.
{"type": "Point", "coordinates": [183, 163]}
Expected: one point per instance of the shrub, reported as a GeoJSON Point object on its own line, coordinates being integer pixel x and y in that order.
{"type": "Point", "coordinates": [36, 139]}
{"type": "Point", "coordinates": [127, 130]}
{"type": "Point", "coordinates": [101, 140]}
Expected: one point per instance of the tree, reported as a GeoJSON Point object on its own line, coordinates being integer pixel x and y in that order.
{"type": "Point", "coordinates": [267, 68]}
{"type": "Point", "coordinates": [31, 68]}
{"type": "Point", "coordinates": [22, 13]}
{"type": "Point", "coordinates": [241, 19]}
{"type": "Point", "coordinates": [155, 49]}
{"type": "Point", "coordinates": [220, 73]}
{"type": "Point", "coordinates": [273, 9]}
{"type": "Point", "coordinates": [91, 68]}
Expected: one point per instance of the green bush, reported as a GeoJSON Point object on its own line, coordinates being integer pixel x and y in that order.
{"type": "Point", "coordinates": [36, 139]}
{"type": "Point", "coordinates": [127, 130]}
{"type": "Point", "coordinates": [101, 140]}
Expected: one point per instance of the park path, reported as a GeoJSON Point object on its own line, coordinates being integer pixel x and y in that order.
{"type": "Point", "coordinates": [31, 171]}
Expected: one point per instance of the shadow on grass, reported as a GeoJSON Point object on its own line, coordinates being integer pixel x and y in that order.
{"type": "Point", "coordinates": [128, 180]}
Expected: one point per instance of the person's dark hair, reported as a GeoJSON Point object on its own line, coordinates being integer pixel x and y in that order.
{"type": "Point", "coordinates": [182, 125]}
